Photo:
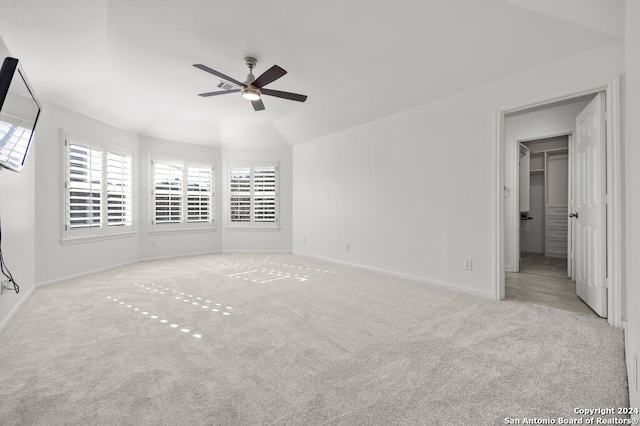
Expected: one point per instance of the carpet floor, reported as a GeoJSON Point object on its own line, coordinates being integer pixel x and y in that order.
{"type": "Point", "coordinates": [260, 339]}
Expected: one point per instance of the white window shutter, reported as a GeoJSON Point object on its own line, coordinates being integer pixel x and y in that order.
{"type": "Point", "coordinates": [98, 189]}
{"type": "Point", "coordinates": [168, 192]}
{"type": "Point", "coordinates": [199, 193]}
{"type": "Point", "coordinates": [253, 195]}
{"type": "Point", "coordinates": [84, 186]}
{"type": "Point", "coordinates": [119, 189]}
{"type": "Point", "coordinates": [265, 194]}
{"type": "Point", "coordinates": [240, 194]}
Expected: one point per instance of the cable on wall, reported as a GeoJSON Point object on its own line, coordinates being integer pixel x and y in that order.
{"type": "Point", "coordinates": [3, 268]}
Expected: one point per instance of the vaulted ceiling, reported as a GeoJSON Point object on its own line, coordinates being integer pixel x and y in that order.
{"type": "Point", "coordinates": [129, 63]}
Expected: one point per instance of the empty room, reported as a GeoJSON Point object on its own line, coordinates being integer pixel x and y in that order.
{"type": "Point", "coordinates": [339, 213]}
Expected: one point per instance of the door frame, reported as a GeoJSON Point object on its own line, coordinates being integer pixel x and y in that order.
{"type": "Point", "coordinates": [611, 88]}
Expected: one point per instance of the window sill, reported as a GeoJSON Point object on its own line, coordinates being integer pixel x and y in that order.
{"type": "Point", "coordinates": [180, 230]}
{"type": "Point", "coordinates": [94, 238]}
{"type": "Point", "coordinates": [252, 228]}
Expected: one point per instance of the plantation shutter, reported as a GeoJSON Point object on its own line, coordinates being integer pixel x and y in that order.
{"type": "Point", "coordinates": [84, 186]}
{"type": "Point", "coordinates": [264, 204]}
{"type": "Point", "coordinates": [240, 194]}
{"type": "Point", "coordinates": [168, 193]}
{"type": "Point", "coordinates": [119, 190]}
{"type": "Point", "coordinates": [253, 195]}
{"type": "Point", "coordinates": [199, 193]}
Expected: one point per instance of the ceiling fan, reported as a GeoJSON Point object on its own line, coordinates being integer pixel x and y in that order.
{"type": "Point", "coordinates": [253, 88]}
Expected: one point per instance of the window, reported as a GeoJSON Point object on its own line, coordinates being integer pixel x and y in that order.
{"type": "Point", "coordinates": [253, 196]}
{"type": "Point", "coordinates": [182, 195]}
{"type": "Point", "coordinates": [98, 189]}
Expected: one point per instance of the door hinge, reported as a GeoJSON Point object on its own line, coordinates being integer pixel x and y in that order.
{"type": "Point", "coordinates": [605, 282]}
{"type": "Point", "coordinates": [605, 199]}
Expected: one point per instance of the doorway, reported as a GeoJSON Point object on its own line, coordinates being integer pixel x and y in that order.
{"type": "Point", "coordinates": [543, 275]}
{"type": "Point", "coordinates": [543, 199]}
{"type": "Point", "coordinates": [506, 237]}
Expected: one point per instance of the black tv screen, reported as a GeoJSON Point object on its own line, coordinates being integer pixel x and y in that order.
{"type": "Point", "coordinates": [19, 112]}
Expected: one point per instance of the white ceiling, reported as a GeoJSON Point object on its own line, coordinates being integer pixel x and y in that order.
{"type": "Point", "coordinates": [129, 62]}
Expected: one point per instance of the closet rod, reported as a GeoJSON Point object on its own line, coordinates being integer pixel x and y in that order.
{"type": "Point", "coordinates": [550, 150]}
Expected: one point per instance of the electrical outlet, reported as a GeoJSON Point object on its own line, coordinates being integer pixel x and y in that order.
{"type": "Point", "coordinates": [468, 264]}
{"type": "Point", "coordinates": [304, 240]}
{"type": "Point", "coordinates": [348, 246]}
{"type": "Point", "coordinates": [153, 243]}
{"type": "Point", "coordinates": [4, 286]}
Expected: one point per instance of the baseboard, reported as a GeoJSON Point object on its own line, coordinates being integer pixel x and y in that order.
{"type": "Point", "coordinates": [83, 274]}
{"type": "Point", "coordinates": [436, 283]}
{"type": "Point", "coordinates": [14, 311]}
{"type": "Point", "coordinates": [559, 256]}
{"type": "Point", "coordinates": [258, 251]}
{"type": "Point", "coordinates": [175, 256]}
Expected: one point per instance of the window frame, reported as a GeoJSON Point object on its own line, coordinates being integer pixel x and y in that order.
{"type": "Point", "coordinates": [252, 223]}
{"type": "Point", "coordinates": [184, 224]}
{"type": "Point", "coordinates": [72, 235]}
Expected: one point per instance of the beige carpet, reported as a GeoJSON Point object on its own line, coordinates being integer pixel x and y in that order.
{"type": "Point", "coordinates": [281, 339]}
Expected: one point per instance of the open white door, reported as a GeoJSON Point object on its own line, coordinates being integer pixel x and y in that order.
{"type": "Point", "coordinates": [590, 205]}
{"type": "Point", "coordinates": [570, 225]}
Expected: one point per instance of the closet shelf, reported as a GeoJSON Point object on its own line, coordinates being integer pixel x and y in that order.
{"type": "Point", "coordinates": [536, 171]}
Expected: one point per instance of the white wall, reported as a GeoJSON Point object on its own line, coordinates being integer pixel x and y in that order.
{"type": "Point", "coordinates": [526, 125]}
{"type": "Point", "coordinates": [155, 244]}
{"type": "Point", "coordinates": [632, 160]}
{"type": "Point", "coordinates": [17, 212]}
{"type": "Point", "coordinates": [17, 208]}
{"type": "Point", "coordinates": [413, 193]}
{"type": "Point", "coordinates": [265, 239]}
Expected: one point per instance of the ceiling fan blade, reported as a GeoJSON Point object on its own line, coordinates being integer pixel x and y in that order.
{"type": "Point", "coordinates": [270, 75]}
{"type": "Point", "coordinates": [219, 74]}
{"type": "Point", "coordinates": [257, 105]}
{"type": "Point", "coordinates": [218, 92]}
{"type": "Point", "coordinates": [284, 95]}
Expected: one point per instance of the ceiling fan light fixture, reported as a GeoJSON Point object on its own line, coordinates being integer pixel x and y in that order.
{"type": "Point", "coordinates": [250, 94]}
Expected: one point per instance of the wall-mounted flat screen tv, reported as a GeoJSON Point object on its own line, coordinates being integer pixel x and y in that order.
{"type": "Point", "coordinates": [19, 112]}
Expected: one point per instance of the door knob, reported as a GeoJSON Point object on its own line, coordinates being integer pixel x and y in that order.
{"type": "Point", "coordinates": [573, 215]}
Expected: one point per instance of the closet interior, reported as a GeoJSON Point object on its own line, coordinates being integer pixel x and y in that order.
{"type": "Point", "coordinates": [544, 196]}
